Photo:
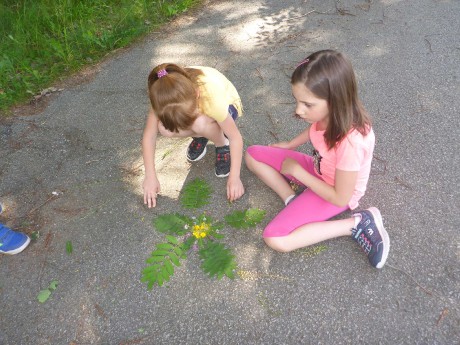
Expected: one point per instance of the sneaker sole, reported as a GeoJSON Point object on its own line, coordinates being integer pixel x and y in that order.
{"type": "Point", "coordinates": [199, 157]}
{"type": "Point", "coordinates": [19, 249]}
{"type": "Point", "coordinates": [222, 175]}
{"type": "Point", "coordinates": [385, 238]}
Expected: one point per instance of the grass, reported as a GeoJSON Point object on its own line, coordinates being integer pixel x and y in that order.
{"type": "Point", "coordinates": [42, 41]}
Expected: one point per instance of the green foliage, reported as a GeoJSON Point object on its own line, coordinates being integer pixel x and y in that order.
{"type": "Point", "coordinates": [217, 260]}
{"type": "Point", "coordinates": [196, 194]}
{"type": "Point", "coordinates": [42, 40]}
{"type": "Point", "coordinates": [245, 219]}
{"type": "Point", "coordinates": [172, 223]}
{"type": "Point", "coordinates": [200, 234]}
{"type": "Point", "coordinates": [44, 294]}
{"type": "Point", "coordinates": [161, 262]}
{"type": "Point", "coordinates": [68, 247]}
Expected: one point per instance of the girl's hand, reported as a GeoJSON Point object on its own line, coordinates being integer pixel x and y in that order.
{"type": "Point", "coordinates": [151, 187]}
{"type": "Point", "coordinates": [290, 167]}
{"type": "Point", "coordinates": [282, 145]}
{"type": "Point", "coordinates": [235, 189]}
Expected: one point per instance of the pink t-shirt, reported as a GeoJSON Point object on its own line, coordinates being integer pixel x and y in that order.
{"type": "Point", "coordinates": [354, 153]}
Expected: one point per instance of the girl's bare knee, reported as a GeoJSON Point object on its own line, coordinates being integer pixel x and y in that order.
{"type": "Point", "coordinates": [277, 243]}
{"type": "Point", "coordinates": [249, 161]}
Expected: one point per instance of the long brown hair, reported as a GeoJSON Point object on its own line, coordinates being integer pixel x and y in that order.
{"type": "Point", "coordinates": [173, 95]}
{"type": "Point", "coordinates": [329, 75]}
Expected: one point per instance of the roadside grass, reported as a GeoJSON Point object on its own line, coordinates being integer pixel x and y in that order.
{"type": "Point", "coordinates": [42, 41]}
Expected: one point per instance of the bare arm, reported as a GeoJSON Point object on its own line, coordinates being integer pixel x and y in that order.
{"type": "Point", "coordinates": [151, 184]}
{"type": "Point", "coordinates": [301, 139]}
{"type": "Point", "coordinates": [235, 187]}
{"type": "Point", "coordinates": [339, 194]}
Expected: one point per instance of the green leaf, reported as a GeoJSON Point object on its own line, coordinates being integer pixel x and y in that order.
{"type": "Point", "coordinates": [153, 259]}
{"type": "Point", "coordinates": [43, 295]}
{"type": "Point", "coordinates": [166, 246]}
{"type": "Point", "coordinates": [35, 235]}
{"type": "Point", "coordinates": [53, 285]}
{"type": "Point", "coordinates": [159, 252]}
{"type": "Point", "coordinates": [169, 267]}
{"type": "Point", "coordinates": [174, 259]}
{"type": "Point", "coordinates": [172, 223]}
{"type": "Point", "coordinates": [172, 239]}
{"type": "Point", "coordinates": [68, 247]}
{"type": "Point", "coordinates": [196, 194]}
{"type": "Point", "coordinates": [178, 251]}
{"type": "Point", "coordinates": [217, 260]}
{"type": "Point", "coordinates": [161, 262]}
{"type": "Point", "coordinates": [245, 219]}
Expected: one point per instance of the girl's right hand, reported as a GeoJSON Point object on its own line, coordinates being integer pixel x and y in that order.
{"type": "Point", "coordinates": [151, 187]}
{"type": "Point", "coordinates": [282, 145]}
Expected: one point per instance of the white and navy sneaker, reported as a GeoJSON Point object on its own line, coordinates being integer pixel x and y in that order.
{"type": "Point", "coordinates": [372, 236]}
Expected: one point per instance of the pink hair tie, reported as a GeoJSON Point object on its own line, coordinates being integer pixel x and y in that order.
{"type": "Point", "coordinates": [303, 62]}
{"type": "Point", "coordinates": [161, 73]}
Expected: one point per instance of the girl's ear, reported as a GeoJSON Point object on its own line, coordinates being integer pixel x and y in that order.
{"type": "Point", "coordinates": [197, 93]}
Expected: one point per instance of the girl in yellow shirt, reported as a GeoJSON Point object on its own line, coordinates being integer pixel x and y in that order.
{"type": "Point", "coordinates": [198, 102]}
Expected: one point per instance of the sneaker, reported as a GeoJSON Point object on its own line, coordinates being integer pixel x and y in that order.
{"type": "Point", "coordinates": [372, 236]}
{"type": "Point", "coordinates": [12, 242]}
{"type": "Point", "coordinates": [223, 161]}
{"type": "Point", "coordinates": [197, 149]}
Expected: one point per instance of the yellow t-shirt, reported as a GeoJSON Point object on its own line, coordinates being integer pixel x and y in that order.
{"type": "Point", "coordinates": [216, 94]}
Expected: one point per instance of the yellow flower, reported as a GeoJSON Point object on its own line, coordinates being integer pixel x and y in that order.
{"type": "Point", "coordinates": [203, 234]}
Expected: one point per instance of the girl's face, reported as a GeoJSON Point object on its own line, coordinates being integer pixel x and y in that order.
{"type": "Point", "coordinates": [309, 107]}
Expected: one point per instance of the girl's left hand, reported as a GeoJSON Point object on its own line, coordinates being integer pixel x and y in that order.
{"type": "Point", "coordinates": [235, 189]}
{"type": "Point", "coordinates": [289, 167]}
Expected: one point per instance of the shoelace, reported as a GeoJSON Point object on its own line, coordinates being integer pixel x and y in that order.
{"type": "Point", "coordinates": [364, 242]}
{"type": "Point", "coordinates": [223, 156]}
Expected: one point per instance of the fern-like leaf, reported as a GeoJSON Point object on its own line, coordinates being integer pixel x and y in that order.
{"type": "Point", "coordinates": [172, 223]}
{"type": "Point", "coordinates": [217, 260]}
{"type": "Point", "coordinates": [245, 219]}
{"type": "Point", "coordinates": [196, 194]}
{"type": "Point", "coordinates": [161, 261]}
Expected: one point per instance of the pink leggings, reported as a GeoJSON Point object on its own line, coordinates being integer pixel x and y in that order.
{"type": "Point", "coordinates": [306, 208]}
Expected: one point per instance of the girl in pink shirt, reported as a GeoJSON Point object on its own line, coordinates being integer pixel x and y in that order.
{"type": "Point", "coordinates": [335, 175]}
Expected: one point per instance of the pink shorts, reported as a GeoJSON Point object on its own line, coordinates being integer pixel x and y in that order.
{"type": "Point", "coordinates": [306, 208]}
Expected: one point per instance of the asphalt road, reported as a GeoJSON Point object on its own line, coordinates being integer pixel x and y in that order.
{"type": "Point", "coordinates": [73, 173]}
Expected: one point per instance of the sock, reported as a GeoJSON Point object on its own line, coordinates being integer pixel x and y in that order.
{"type": "Point", "coordinates": [288, 199]}
{"type": "Point", "coordinates": [357, 219]}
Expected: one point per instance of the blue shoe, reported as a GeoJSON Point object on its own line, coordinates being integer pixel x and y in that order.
{"type": "Point", "coordinates": [12, 242]}
{"type": "Point", "coordinates": [372, 236]}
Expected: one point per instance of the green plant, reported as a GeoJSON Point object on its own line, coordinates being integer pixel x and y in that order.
{"type": "Point", "coordinates": [200, 234]}
{"type": "Point", "coordinates": [69, 247]}
{"type": "Point", "coordinates": [196, 194]}
{"type": "Point", "coordinates": [43, 41]}
{"type": "Point", "coordinates": [44, 294]}
{"type": "Point", "coordinates": [245, 219]}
